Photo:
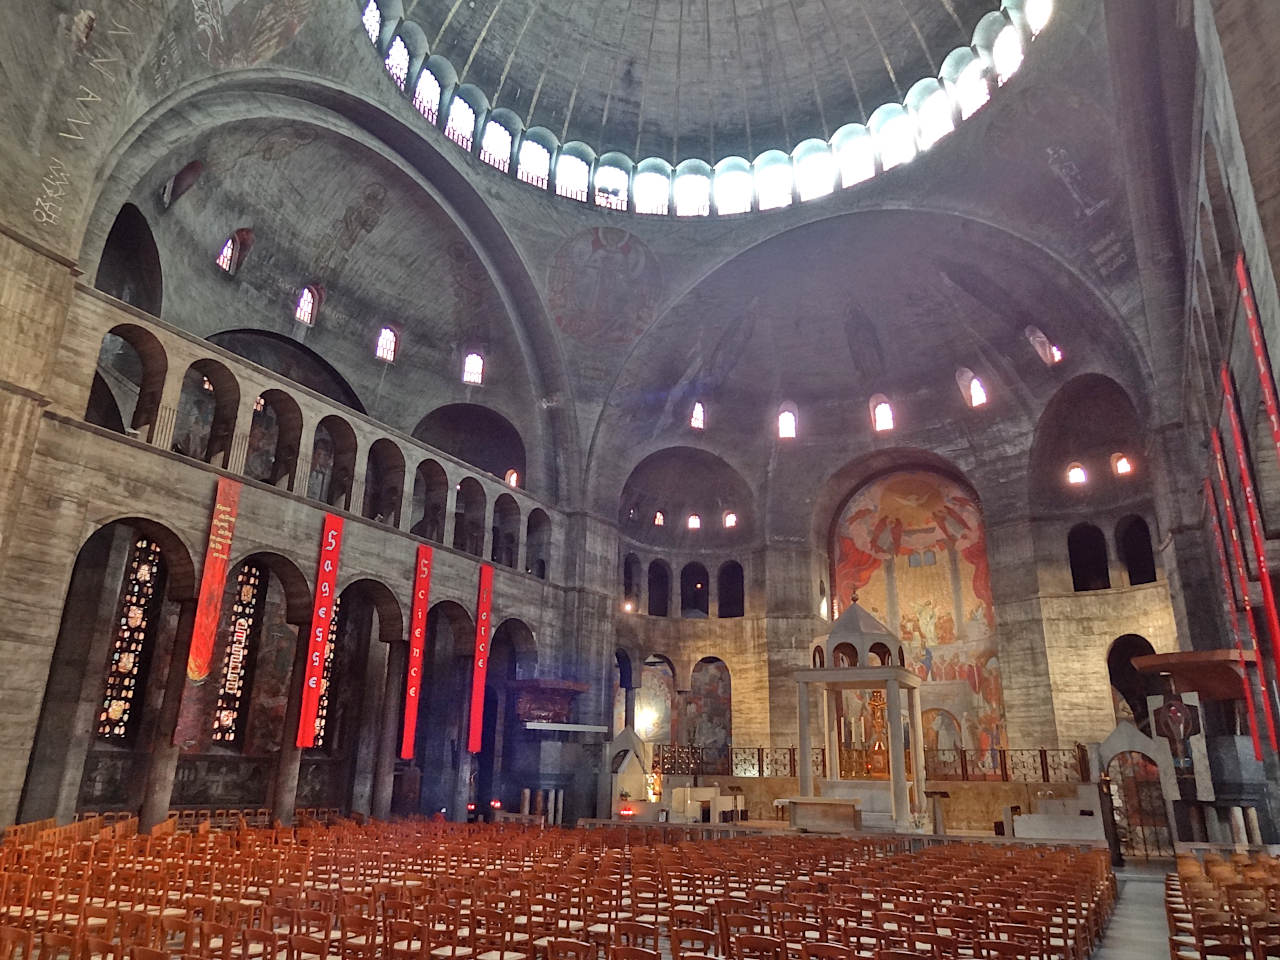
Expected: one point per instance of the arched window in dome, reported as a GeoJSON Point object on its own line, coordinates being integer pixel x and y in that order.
{"type": "Point", "coordinates": [573, 175]}
{"type": "Point", "coordinates": [694, 522]}
{"type": "Point", "coordinates": [512, 478]}
{"type": "Point", "coordinates": [933, 111]}
{"type": "Point", "coordinates": [372, 19]}
{"type": "Point", "coordinates": [734, 187]}
{"type": "Point", "coordinates": [729, 520]}
{"type": "Point", "coordinates": [461, 125]}
{"type": "Point", "coordinates": [473, 369]}
{"type": "Point", "coordinates": [533, 163]}
{"type": "Point", "coordinates": [775, 184]}
{"type": "Point", "coordinates": [495, 146]}
{"type": "Point", "coordinates": [855, 154]}
{"type": "Point", "coordinates": [659, 519]}
{"type": "Point", "coordinates": [652, 192]}
{"type": "Point", "coordinates": [692, 193]}
{"type": "Point", "coordinates": [1121, 465]}
{"type": "Point", "coordinates": [972, 90]}
{"type": "Point", "coordinates": [815, 169]}
{"type": "Point", "coordinates": [698, 419]}
{"type": "Point", "coordinates": [1006, 53]}
{"type": "Point", "coordinates": [227, 256]}
{"type": "Point", "coordinates": [881, 413]}
{"type": "Point", "coordinates": [787, 421]}
{"type": "Point", "coordinates": [426, 95]}
{"type": "Point", "coordinates": [611, 187]}
{"type": "Point", "coordinates": [1046, 350]}
{"type": "Point", "coordinates": [895, 135]}
{"type": "Point", "coordinates": [975, 394]}
{"type": "Point", "coordinates": [304, 311]}
{"type": "Point", "coordinates": [1077, 476]}
{"type": "Point", "coordinates": [397, 62]}
{"type": "Point", "coordinates": [388, 341]}
{"type": "Point", "coordinates": [1037, 13]}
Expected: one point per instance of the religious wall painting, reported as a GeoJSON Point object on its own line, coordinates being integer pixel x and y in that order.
{"type": "Point", "coordinates": [243, 33]}
{"type": "Point", "coordinates": [911, 545]}
{"type": "Point", "coordinates": [705, 710]}
{"type": "Point", "coordinates": [655, 702]}
{"type": "Point", "coordinates": [603, 285]}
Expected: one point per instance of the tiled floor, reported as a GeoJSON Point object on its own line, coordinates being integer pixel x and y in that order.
{"type": "Point", "coordinates": [1138, 930]}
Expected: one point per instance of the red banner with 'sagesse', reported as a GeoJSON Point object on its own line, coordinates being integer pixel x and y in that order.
{"type": "Point", "coordinates": [417, 641]}
{"type": "Point", "coordinates": [321, 615]}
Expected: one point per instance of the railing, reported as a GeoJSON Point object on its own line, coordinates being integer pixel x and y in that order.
{"type": "Point", "coordinates": [997, 764]}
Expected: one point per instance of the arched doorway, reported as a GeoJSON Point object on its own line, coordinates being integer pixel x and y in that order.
{"type": "Point", "coordinates": [508, 758]}
{"type": "Point", "coordinates": [1130, 688]}
{"type": "Point", "coordinates": [441, 745]}
{"type": "Point", "coordinates": [1138, 806]}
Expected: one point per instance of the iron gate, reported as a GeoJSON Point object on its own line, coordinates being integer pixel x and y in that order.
{"type": "Point", "coordinates": [1137, 803]}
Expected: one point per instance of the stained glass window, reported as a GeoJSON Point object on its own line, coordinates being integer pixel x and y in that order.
{"type": "Point", "coordinates": [127, 668]}
{"type": "Point", "coordinates": [237, 662]}
{"type": "Point", "coordinates": [372, 20]}
{"type": "Point", "coordinates": [658, 519]}
{"type": "Point", "coordinates": [473, 369]}
{"type": "Point", "coordinates": [534, 164]}
{"type": "Point", "coordinates": [386, 349]}
{"type": "Point", "coordinates": [305, 311]}
{"type": "Point", "coordinates": [495, 146]}
{"type": "Point", "coordinates": [461, 126]}
{"type": "Point", "coordinates": [694, 522]}
{"type": "Point", "coordinates": [397, 62]}
{"type": "Point", "coordinates": [698, 419]}
{"type": "Point", "coordinates": [227, 255]}
{"type": "Point", "coordinates": [322, 706]}
{"type": "Point", "coordinates": [426, 95]}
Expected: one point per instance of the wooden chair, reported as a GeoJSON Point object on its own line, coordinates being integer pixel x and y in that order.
{"type": "Point", "coordinates": [96, 948]}
{"type": "Point", "coordinates": [15, 941]}
{"type": "Point", "coordinates": [137, 952]}
{"type": "Point", "coordinates": [629, 933]}
{"type": "Point", "coordinates": [357, 937]}
{"type": "Point", "coordinates": [688, 943]}
{"type": "Point", "coordinates": [563, 948]}
{"type": "Point", "coordinates": [304, 948]}
{"type": "Point", "coordinates": [619, 952]}
{"type": "Point", "coordinates": [257, 944]}
{"type": "Point", "coordinates": [56, 946]}
{"type": "Point", "coordinates": [795, 932]}
{"type": "Point", "coordinates": [406, 940]}
{"type": "Point", "coordinates": [753, 946]}
{"type": "Point", "coordinates": [826, 951]}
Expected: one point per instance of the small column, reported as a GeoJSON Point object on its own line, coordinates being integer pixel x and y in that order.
{"type": "Point", "coordinates": [897, 767]}
{"type": "Point", "coordinates": [407, 519]}
{"type": "Point", "coordinates": [917, 745]}
{"type": "Point", "coordinates": [384, 773]}
{"type": "Point", "coordinates": [829, 720]}
{"type": "Point", "coordinates": [242, 430]}
{"type": "Point", "coordinates": [449, 521]}
{"type": "Point", "coordinates": [162, 764]}
{"type": "Point", "coordinates": [486, 548]}
{"type": "Point", "coordinates": [1253, 829]}
{"type": "Point", "coordinates": [167, 410]}
{"type": "Point", "coordinates": [629, 707]}
{"type": "Point", "coordinates": [804, 765]}
{"type": "Point", "coordinates": [1238, 834]}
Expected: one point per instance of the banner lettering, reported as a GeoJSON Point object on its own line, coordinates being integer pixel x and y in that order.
{"type": "Point", "coordinates": [321, 616]}
{"type": "Point", "coordinates": [417, 641]}
{"type": "Point", "coordinates": [213, 578]}
{"type": "Point", "coordinates": [484, 604]}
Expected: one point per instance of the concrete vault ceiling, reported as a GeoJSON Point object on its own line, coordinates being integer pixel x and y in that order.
{"type": "Point", "coordinates": [695, 78]}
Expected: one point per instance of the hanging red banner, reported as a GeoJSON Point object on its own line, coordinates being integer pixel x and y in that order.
{"type": "Point", "coordinates": [1242, 575]}
{"type": "Point", "coordinates": [321, 615]}
{"type": "Point", "coordinates": [417, 641]}
{"type": "Point", "coordinates": [484, 603]}
{"type": "Point", "coordinates": [213, 578]}
{"type": "Point", "coordinates": [1265, 379]}
{"type": "Point", "coordinates": [1229, 602]}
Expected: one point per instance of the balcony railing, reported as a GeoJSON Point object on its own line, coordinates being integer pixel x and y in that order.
{"type": "Point", "coordinates": [998, 764]}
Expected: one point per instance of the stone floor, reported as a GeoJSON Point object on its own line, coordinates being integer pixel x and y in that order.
{"type": "Point", "coordinates": [1138, 930]}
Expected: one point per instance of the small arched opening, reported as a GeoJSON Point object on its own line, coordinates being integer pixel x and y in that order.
{"type": "Point", "coordinates": [468, 517]}
{"type": "Point", "coordinates": [129, 269]}
{"type": "Point", "coordinates": [845, 655]}
{"type": "Point", "coordinates": [1087, 554]}
{"type": "Point", "coordinates": [881, 653]}
{"type": "Point", "coordinates": [695, 591]}
{"type": "Point", "coordinates": [430, 501]}
{"type": "Point", "coordinates": [275, 437]}
{"type": "Point", "coordinates": [631, 582]}
{"type": "Point", "coordinates": [1130, 687]}
{"type": "Point", "coordinates": [538, 544]}
{"type": "Point", "coordinates": [128, 382]}
{"type": "Point", "coordinates": [206, 417]}
{"type": "Point", "coordinates": [1133, 545]}
{"type": "Point", "coordinates": [659, 589]}
{"type": "Point", "coordinates": [333, 462]}
{"type": "Point", "coordinates": [384, 482]}
{"type": "Point", "coordinates": [730, 592]}
{"type": "Point", "coordinates": [506, 531]}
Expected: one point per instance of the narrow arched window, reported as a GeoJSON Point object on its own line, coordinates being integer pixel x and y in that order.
{"type": "Point", "coordinates": [461, 125]}
{"type": "Point", "coordinates": [1121, 464]}
{"type": "Point", "coordinates": [534, 163]}
{"type": "Point", "coordinates": [694, 522]}
{"type": "Point", "coordinates": [495, 146]}
{"type": "Point", "coordinates": [304, 311]}
{"type": "Point", "coordinates": [659, 520]}
{"type": "Point", "coordinates": [572, 177]}
{"type": "Point", "coordinates": [473, 369]}
{"type": "Point", "coordinates": [512, 478]}
{"type": "Point", "coordinates": [730, 520]}
{"type": "Point", "coordinates": [692, 192]}
{"type": "Point", "coordinates": [397, 62]}
{"type": "Point", "coordinates": [1037, 13]}
{"type": "Point", "coordinates": [426, 95]}
{"type": "Point", "coordinates": [698, 419]}
{"type": "Point", "coordinates": [611, 187]}
{"type": "Point", "coordinates": [1006, 53]}
{"type": "Point", "coordinates": [227, 256]}
{"type": "Point", "coordinates": [387, 344]}
{"type": "Point", "coordinates": [1133, 544]}
{"type": "Point", "coordinates": [787, 422]}
{"type": "Point", "coordinates": [1049, 354]}
{"type": "Point", "coordinates": [972, 90]}
{"type": "Point", "coordinates": [774, 180]}
{"type": "Point", "coordinates": [881, 413]}
{"type": "Point", "coordinates": [734, 187]}
{"type": "Point", "coordinates": [855, 154]}
{"type": "Point", "coordinates": [237, 661]}
{"type": "Point", "coordinates": [1077, 476]}
{"type": "Point", "coordinates": [126, 678]}
{"type": "Point", "coordinates": [652, 192]}
{"type": "Point", "coordinates": [326, 675]}
{"type": "Point", "coordinates": [372, 20]}
{"type": "Point", "coordinates": [975, 394]}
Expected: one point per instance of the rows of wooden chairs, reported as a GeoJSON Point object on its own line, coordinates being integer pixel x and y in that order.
{"type": "Point", "coordinates": [1224, 908]}
{"type": "Point", "coordinates": [419, 890]}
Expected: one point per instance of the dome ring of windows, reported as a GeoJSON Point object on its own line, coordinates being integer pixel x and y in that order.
{"type": "Point", "coordinates": [895, 133]}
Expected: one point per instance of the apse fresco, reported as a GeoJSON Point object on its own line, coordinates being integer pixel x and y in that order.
{"type": "Point", "coordinates": [912, 547]}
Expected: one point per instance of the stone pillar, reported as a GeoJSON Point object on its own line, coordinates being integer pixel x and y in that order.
{"type": "Point", "coordinates": [384, 774]}
{"type": "Point", "coordinates": [897, 757]}
{"type": "Point", "coordinates": [242, 431]}
{"type": "Point", "coordinates": [917, 746]}
{"type": "Point", "coordinates": [804, 766]}
{"type": "Point", "coordinates": [629, 707]}
{"type": "Point", "coordinates": [1252, 828]}
{"type": "Point", "coordinates": [486, 549]}
{"type": "Point", "coordinates": [170, 399]}
{"type": "Point", "coordinates": [448, 522]}
{"type": "Point", "coordinates": [371, 713]}
{"type": "Point", "coordinates": [829, 720]}
{"type": "Point", "coordinates": [163, 761]}
{"type": "Point", "coordinates": [284, 792]}
{"type": "Point", "coordinates": [1239, 836]}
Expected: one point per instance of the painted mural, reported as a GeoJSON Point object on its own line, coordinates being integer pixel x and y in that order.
{"type": "Point", "coordinates": [911, 546]}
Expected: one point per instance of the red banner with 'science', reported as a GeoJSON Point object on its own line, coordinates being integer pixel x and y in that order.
{"type": "Point", "coordinates": [321, 616]}
{"type": "Point", "coordinates": [417, 641]}
{"type": "Point", "coordinates": [484, 603]}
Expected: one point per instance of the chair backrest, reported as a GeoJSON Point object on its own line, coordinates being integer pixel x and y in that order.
{"type": "Point", "coordinates": [619, 952]}
{"type": "Point", "coordinates": [825, 951]}
{"type": "Point", "coordinates": [561, 948]}
{"type": "Point", "coordinates": [146, 953]}
{"type": "Point", "coordinates": [752, 946]}
{"type": "Point", "coordinates": [301, 947]}
{"type": "Point", "coordinates": [14, 940]}
{"type": "Point", "coordinates": [96, 948]}
{"type": "Point", "coordinates": [55, 946]}
{"type": "Point", "coordinates": [628, 933]}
